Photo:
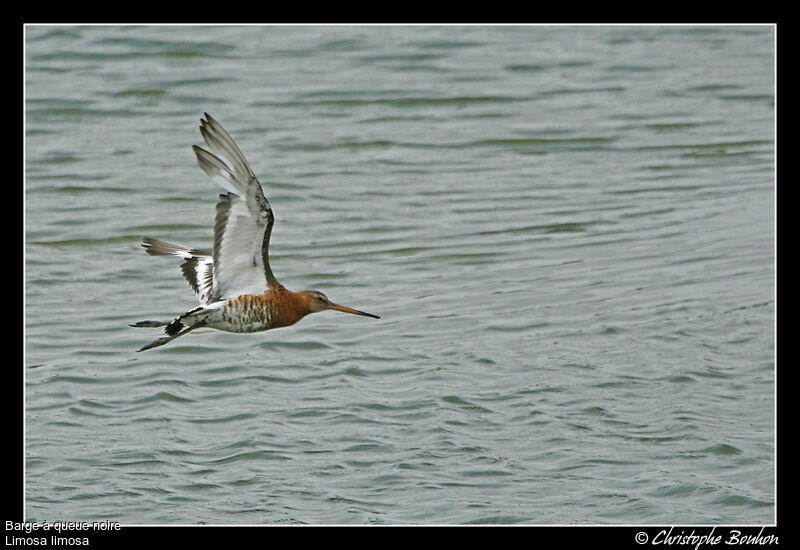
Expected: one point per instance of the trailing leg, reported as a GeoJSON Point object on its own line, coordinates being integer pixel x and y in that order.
{"type": "Point", "coordinates": [149, 324]}
{"type": "Point", "coordinates": [164, 339]}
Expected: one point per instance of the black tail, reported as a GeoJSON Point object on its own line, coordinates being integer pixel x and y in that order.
{"type": "Point", "coordinates": [174, 327]}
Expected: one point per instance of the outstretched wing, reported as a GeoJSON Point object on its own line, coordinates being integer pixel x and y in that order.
{"type": "Point", "coordinates": [244, 217]}
{"type": "Point", "coordinates": [198, 267]}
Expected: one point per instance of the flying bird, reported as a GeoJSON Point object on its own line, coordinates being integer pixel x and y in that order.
{"type": "Point", "coordinates": [234, 282]}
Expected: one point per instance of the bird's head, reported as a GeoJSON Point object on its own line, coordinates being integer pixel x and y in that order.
{"type": "Point", "coordinates": [317, 301]}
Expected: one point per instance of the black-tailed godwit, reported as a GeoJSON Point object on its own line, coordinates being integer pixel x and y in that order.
{"type": "Point", "coordinates": [234, 282]}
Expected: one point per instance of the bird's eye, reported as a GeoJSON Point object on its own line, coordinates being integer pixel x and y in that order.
{"type": "Point", "coordinates": [320, 298]}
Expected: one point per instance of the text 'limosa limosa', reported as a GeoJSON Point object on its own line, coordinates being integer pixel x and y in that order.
{"type": "Point", "coordinates": [234, 282]}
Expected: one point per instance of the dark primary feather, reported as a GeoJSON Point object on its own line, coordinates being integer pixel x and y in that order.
{"type": "Point", "coordinates": [156, 247]}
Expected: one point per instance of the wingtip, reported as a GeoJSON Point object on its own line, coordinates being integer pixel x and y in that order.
{"type": "Point", "coordinates": [147, 244]}
{"type": "Point", "coordinates": [153, 247]}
